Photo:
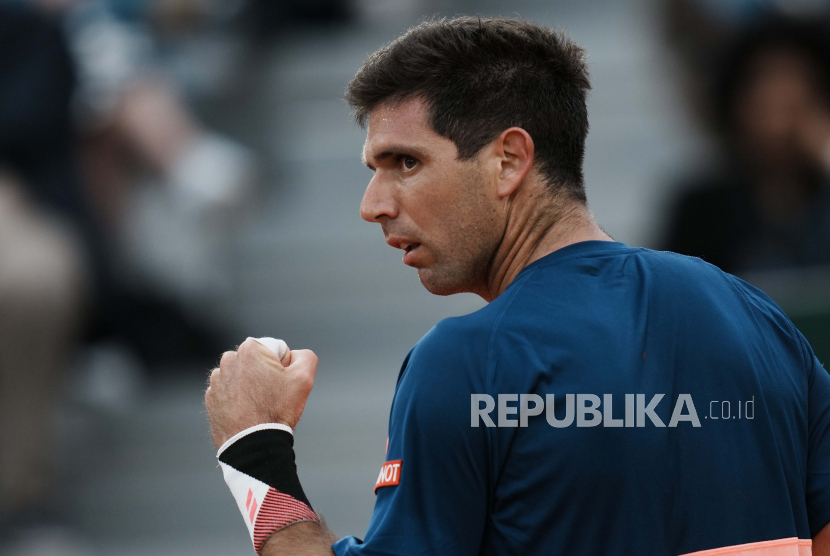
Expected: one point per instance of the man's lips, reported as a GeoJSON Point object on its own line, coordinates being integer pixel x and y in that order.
{"type": "Point", "coordinates": [410, 246]}
{"type": "Point", "coordinates": [401, 242]}
{"type": "Point", "coordinates": [411, 253]}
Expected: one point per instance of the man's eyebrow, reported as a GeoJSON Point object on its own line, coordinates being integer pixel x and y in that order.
{"type": "Point", "coordinates": [395, 150]}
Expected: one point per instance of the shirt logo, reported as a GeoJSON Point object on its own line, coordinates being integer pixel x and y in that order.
{"type": "Point", "coordinates": [390, 474]}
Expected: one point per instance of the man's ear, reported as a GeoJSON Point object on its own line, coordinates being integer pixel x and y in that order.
{"type": "Point", "coordinates": [515, 150]}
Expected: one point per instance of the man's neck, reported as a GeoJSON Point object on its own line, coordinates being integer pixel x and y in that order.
{"type": "Point", "coordinates": [535, 230]}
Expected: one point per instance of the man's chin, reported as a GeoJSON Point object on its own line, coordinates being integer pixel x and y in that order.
{"type": "Point", "coordinates": [440, 285]}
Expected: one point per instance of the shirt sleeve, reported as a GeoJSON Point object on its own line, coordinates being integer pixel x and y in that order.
{"type": "Point", "coordinates": [818, 454]}
{"type": "Point", "coordinates": [440, 504]}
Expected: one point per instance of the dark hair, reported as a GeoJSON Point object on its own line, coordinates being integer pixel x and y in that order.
{"type": "Point", "coordinates": [480, 76]}
{"type": "Point", "coordinates": [806, 38]}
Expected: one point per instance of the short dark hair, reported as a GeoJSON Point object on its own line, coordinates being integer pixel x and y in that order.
{"type": "Point", "coordinates": [480, 76]}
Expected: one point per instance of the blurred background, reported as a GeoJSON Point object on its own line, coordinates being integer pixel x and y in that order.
{"type": "Point", "coordinates": [176, 175]}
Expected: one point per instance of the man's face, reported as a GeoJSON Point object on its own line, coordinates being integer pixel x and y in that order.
{"type": "Point", "coordinates": [441, 211]}
{"type": "Point", "coordinates": [777, 99]}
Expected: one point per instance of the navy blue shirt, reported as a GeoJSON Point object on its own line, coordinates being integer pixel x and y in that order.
{"type": "Point", "coordinates": [735, 451]}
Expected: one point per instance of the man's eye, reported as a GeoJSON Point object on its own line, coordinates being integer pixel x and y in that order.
{"type": "Point", "coordinates": [409, 162]}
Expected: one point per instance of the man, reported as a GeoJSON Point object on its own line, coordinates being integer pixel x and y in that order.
{"type": "Point", "coordinates": [766, 205]}
{"type": "Point", "coordinates": [476, 131]}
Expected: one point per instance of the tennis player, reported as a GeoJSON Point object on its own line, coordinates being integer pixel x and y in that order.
{"type": "Point", "coordinates": [608, 399]}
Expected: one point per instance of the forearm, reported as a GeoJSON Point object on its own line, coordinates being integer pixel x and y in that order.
{"type": "Point", "coordinates": [254, 400]}
{"type": "Point", "coordinates": [301, 539]}
{"type": "Point", "coordinates": [259, 468]}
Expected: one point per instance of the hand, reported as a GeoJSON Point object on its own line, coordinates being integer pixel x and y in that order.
{"type": "Point", "coordinates": [251, 387]}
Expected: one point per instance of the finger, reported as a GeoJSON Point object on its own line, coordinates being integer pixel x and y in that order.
{"type": "Point", "coordinates": [279, 347]}
{"type": "Point", "coordinates": [304, 356]}
{"type": "Point", "coordinates": [213, 377]}
{"type": "Point", "coordinates": [251, 350]}
{"type": "Point", "coordinates": [209, 402]}
{"type": "Point", "coordinates": [270, 348]}
{"type": "Point", "coordinates": [305, 361]}
{"type": "Point", "coordinates": [228, 359]}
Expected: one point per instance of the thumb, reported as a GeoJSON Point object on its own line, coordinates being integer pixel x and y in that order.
{"type": "Point", "coordinates": [304, 361]}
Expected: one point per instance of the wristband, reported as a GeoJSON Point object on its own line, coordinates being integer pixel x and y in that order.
{"type": "Point", "coordinates": [258, 465]}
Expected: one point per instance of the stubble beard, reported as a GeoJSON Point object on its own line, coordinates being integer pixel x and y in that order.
{"type": "Point", "coordinates": [462, 264]}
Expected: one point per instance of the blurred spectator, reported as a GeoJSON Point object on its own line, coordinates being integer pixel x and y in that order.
{"type": "Point", "coordinates": [767, 204]}
{"type": "Point", "coordinates": [42, 264]}
{"type": "Point", "coordinates": [41, 279]}
{"type": "Point", "coordinates": [40, 104]}
{"type": "Point", "coordinates": [61, 278]}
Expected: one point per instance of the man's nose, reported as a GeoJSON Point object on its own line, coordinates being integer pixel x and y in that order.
{"type": "Point", "coordinates": [378, 201]}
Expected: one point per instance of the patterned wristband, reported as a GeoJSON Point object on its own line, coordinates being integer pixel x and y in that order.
{"type": "Point", "coordinates": [259, 469]}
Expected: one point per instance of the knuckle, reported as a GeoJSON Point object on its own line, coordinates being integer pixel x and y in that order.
{"type": "Point", "coordinates": [251, 350]}
{"type": "Point", "coordinates": [308, 357]}
{"type": "Point", "coordinates": [312, 367]}
{"type": "Point", "coordinates": [306, 379]}
{"type": "Point", "coordinates": [227, 360]}
{"type": "Point", "coordinates": [247, 346]}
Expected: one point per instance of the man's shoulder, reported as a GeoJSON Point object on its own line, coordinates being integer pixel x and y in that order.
{"type": "Point", "coordinates": [431, 408]}
{"type": "Point", "coordinates": [695, 273]}
{"type": "Point", "coordinates": [469, 327]}
{"type": "Point", "coordinates": [456, 338]}
{"type": "Point", "coordinates": [593, 284]}
{"type": "Point", "coordinates": [453, 355]}
{"type": "Point", "coordinates": [691, 289]}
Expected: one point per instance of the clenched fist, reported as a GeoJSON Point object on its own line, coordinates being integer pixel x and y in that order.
{"type": "Point", "coordinates": [252, 386]}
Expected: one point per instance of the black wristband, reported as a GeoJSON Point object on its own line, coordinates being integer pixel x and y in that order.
{"type": "Point", "coordinates": [267, 456]}
{"type": "Point", "coordinates": [259, 468]}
